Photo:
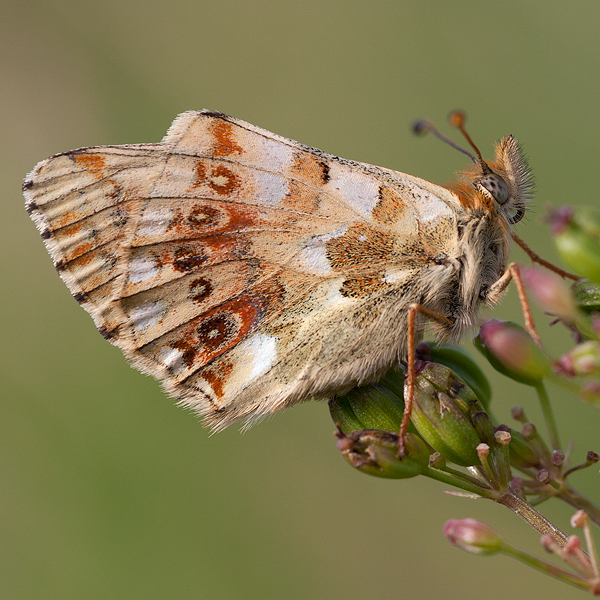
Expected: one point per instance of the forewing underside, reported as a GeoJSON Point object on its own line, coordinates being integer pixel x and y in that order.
{"type": "Point", "coordinates": [244, 269]}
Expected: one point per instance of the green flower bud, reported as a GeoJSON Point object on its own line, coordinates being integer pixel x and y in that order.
{"type": "Point", "coordinates": [445, 380]}
{"type": "Point", "coordinates": [441, 413]}
{"type": "Point", "coordinates": [473, 536]}
{"type": "Point", "coordinates": [522, 454]}
{"type": "Point", "coordinates": [342, 414]}
{"type": "Point", "coordinates": [375, 453]}
{"type": "Point", "coordinates": [373, 406]}
{"type": "Point", "coordinates": [512, 352]}
{"type": "Point", "coordinates": [587, 296]}
{"type": "Point", "coordinates": [484, 427]}
{"type": "Point", "coordinates": [462, 364]}
{"type": "Point", "coordinates": [577, 238]}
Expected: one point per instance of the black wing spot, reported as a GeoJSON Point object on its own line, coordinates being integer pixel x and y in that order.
{"type": "Point", "coordinates": [212, 113]}
{"type": "Point", "coordinates": [81, 297]}
{"type": "Point", "coordinates": [107, 334]}
{"type": "Point", "coordinates": [325, 177]}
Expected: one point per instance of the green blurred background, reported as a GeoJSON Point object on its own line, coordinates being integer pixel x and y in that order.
{"type": "Point", "coordinates": [107, 490]}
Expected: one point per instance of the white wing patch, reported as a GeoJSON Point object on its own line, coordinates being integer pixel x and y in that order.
{"type": "Point", "coordinates": [314, 254]}
{"type": "Point", "coordinates": [360, 191]}
{"type": "Point", "coordinates": [142, 268]}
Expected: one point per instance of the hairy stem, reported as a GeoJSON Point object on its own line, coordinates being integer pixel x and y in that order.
{"type": "Point", "coordinates": [534, 518]}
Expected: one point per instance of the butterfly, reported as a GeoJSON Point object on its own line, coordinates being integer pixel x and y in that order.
{"type": "Point", "coordinates": [250, 272]}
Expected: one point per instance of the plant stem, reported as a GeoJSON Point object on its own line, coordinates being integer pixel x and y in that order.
{"type": "Point", "coordinates": [534, 518]}
{"type": "Point", "coordinates": [572, 497]}
{"type": "Point", "coordinates": [457, 479]}
{"type": "Point", "coordinates": [548, 416]}
{"type": "Point", "coordinates": [545, 567]}
{"type": "Point", "coordinates": [466, 477]}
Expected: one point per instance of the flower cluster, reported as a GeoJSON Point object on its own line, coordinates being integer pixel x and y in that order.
{"type": "Point", "coordinates": [453, 436]}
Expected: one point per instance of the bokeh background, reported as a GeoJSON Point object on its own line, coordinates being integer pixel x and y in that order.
{"type": "Point", "coordinates": [107, 490]}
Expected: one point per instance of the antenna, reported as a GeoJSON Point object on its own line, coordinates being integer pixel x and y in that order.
{"type": "Point", "coordinates": [457, 119]}
{"type": "Point", "coordinates": [425, 126]}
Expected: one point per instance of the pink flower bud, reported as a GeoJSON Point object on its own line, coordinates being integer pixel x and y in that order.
{"type": "Point", "coordinates": [584, 359]}
{"type": "Point", "coordinates": [551, 293]}
{"type": "Point", "coordinates": [473, 536]}
{"type": "Point", "coordinates": [512, 351]}
{"type": "Point", "coordinates": [579, 519]}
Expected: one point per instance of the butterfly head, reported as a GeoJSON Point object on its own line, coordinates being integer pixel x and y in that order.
{"type": "Point", "coordinates": [504, 185]}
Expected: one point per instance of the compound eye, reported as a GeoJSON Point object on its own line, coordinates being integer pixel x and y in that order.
{"type": "Point", "coordinates": [495, 185]}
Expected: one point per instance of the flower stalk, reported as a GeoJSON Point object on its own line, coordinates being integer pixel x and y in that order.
{"type": "Point", "coordinates": [548, 415]}
{"type": "Point", "coordinates": [478, 538]}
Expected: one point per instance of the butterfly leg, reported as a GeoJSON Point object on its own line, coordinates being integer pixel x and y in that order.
{"type": "Point", "coordinates": [413, 310]}
{"type": "Point", "coordinates": [513, 273]}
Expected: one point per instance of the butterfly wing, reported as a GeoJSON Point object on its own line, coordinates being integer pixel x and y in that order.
{"type": "Point", "coordinates": [243, 269]}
